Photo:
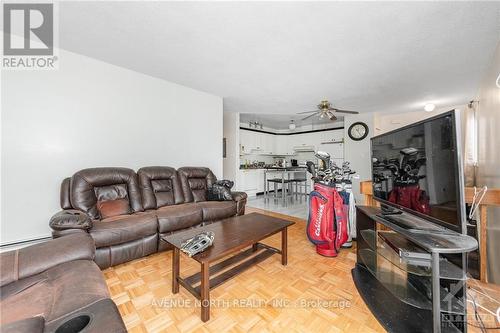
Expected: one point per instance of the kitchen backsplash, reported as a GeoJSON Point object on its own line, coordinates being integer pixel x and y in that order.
{"type": "Point", "coordinates": [255, 158]}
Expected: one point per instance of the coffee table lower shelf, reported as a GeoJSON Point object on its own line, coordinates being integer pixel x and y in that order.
{"type": "Point", "coordinates": [239, 262]}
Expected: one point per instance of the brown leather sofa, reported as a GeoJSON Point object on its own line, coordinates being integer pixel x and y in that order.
{"type": "Point", "coordinates": [55, 286]}
{"type": "Point", "coordinates": [126, 212]}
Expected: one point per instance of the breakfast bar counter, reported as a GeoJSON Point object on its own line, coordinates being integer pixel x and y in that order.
{"type": "Point", "coordinates": [285, 175]}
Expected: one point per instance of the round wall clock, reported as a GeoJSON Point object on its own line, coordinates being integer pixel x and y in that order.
{"type": "Point", "coordinates": [358, 131]}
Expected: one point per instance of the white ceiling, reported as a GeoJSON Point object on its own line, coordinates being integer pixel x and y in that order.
{"type": "Point", "coordinates": [280, 57]}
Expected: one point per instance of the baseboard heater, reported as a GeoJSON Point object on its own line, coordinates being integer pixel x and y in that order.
{"type": "Point", "coordinates": [22, 243]}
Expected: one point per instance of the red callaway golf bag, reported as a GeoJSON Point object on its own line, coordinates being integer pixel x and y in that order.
{"type": "Point", "coordinates": [411, 196]}
{"type": "Point", "coordinates": [327, 223]}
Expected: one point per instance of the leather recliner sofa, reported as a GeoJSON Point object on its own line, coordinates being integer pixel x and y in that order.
{"type": "Point", "coordinates": [126, 212]}
{"type": "Point", "coordinates": [55, 286]}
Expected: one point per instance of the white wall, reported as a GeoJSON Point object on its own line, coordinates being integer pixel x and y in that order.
{"type": "Point", "coordinates": [385, 122]}
{"type": "Point", "coordinates": [89, 114]}
{"type": "Point", "coordinates": [359, 152]}
{"type": "Point", "coordinates": [489, 158]}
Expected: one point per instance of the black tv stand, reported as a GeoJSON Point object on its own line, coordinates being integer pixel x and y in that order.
{"type": "Point", "coordinates": [411, 222]}
{"type": "Point", "coordinates": [388, 210]}
{"type": "Point", "coordinates": [409, 294]}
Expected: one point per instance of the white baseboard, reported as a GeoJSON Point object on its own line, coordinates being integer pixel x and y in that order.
{"type": "Point", "coordinates": [8, 246]}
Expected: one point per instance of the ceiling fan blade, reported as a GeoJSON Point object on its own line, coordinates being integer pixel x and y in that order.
{"type": "Point", "coordinates": [311, 115]}
{"type": "Point", "coordinates": [346, 111]}
{"type": "Point", "coordinates": [307, 112]}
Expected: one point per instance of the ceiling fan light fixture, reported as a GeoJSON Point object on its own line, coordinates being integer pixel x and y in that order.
{"type": "Point", "coordinates": [331, 116]}
{"type": "Point", "coordinates": [325, 110]}
{"type": "Point", "coordinates": [292, 125]}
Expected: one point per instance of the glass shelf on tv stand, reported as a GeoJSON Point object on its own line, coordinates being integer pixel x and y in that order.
{"type": "Point", "coordinates": [421, 267]}
{"type": "Point", "coordinates": [397, 282]}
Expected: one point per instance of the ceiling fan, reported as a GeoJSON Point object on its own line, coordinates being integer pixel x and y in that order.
{"type": "Point", "coordinates": [325, 109]}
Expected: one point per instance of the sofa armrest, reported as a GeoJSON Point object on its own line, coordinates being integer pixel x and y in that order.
{"type": "Point", "coordinates": [241, 201]}
{"type": "Point", "coordinates": [28, 261]}
{"type": "Point", "coordinates": [237, 196]}
{"type": "Point", "coordinates": [70, 219]}
{"type": "Point", "coordinates": [26, 325]}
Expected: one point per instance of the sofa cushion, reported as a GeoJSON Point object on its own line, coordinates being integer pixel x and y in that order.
{"type": "Point", "coordinates": [160, 186]}
{"type": "Point", "coordinates": [107, 256]}
{"type": "Point", "coordinates": [218, 210]}
{"type": "Point", "coordinates": [123, 228]}
{"type": "Point", "coordinates": [171, 218]}
{"type": "Point", "coordinates": [112, 200]}
{"type": "Point", "coordinates": [112, 208]}
{"type": "Point", "coordinates": [64, 198]}
{"type": "Point", "coordinates": [195, 182]}
{"type": "Point", "coordinates": [90, 185]}
{"type": "Point", "coordinates": [111, 192]}
{"type": "Point", "coordinates": [53, 293]}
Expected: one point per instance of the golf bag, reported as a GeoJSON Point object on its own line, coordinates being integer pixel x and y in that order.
{"type": "Point", "coordinates": [411, 196]}
{"type": "Point", "coordinates": [327, 222]}
{"type": "Point", "coordinates": [347, 196]}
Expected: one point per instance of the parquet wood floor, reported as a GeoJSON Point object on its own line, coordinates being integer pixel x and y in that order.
{"type": "Point", "coordinates": [142, 291]}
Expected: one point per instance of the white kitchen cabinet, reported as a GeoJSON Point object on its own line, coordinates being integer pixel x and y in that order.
{"type": "Point", "coordinates": [281, 142]}
{"type": "Point", "coordinates": [293, 140]}
{"type": "Point", "coordinates": [268, 145]}
{"type": "Point", "coordinates": [258, 141]}
{"type": "Point", "coordinates": [245, 142]}
{"type": "Point", "coordinates": [336, 150]}
{"type": "Point", "coordinates": [263, 142]}
{"type": "Point", "coordinates": [334, 135]}
{"type": "Point", "coordinates": [260, 180]}
{"type": "Point", "coordinates": [251, 181]}
{"type": "Point", "coordinates": [253, 142]}
{"type": "Point", "coordinates": [316, 138]}
{"type": "Point", "coordinates": [248, 180]}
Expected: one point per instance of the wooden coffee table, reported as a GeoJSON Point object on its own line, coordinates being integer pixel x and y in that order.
{"type": "Point", "coordinates": [231, 236]}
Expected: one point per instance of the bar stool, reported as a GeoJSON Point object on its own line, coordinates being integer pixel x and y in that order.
{"type": "Point", "coordinates": [303, 184]}
{"type": "Point", "coordinates": [276, 182]}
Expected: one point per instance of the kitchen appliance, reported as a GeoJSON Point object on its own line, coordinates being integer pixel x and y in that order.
{"type": "Point", "coordinates": [304, 149]}
{"type": "Point", "coordinates": [280, 162]}
{"type": "Point", "coordinates": [294, 162]}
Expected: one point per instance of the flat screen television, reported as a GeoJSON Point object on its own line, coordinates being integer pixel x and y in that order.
{"type": "Point", "coordinates": [416, 169]}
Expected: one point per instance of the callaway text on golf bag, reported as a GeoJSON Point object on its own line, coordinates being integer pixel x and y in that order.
{"type": "Point", "coordinates": [327, 223]}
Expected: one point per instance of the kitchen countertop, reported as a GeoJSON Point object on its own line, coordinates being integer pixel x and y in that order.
{"type": "Point", "coordinates": [275, 168]}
